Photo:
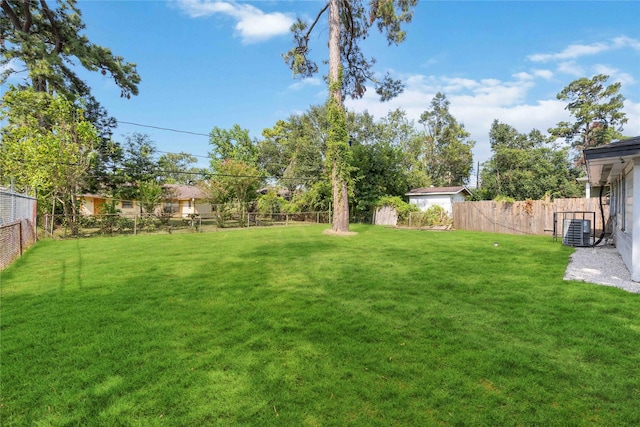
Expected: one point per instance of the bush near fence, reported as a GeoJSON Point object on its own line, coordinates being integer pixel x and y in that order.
{"type": "Point", "coordinates": [435, 216]}
{"type": "Point", "coordinates": [525, 217]}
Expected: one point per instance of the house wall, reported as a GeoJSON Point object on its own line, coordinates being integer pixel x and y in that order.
{"type": "Point", "coordinates": [91, 205]}
{"type": "Point", "coordinates": [190, 207]}
{"type": "Point", "coordinates": [443, 200]}
{"type": "Point", "coordinates": [620, 235]}
{"type": "Point", "coordinates": [635, 257]}
{"type": "Point", "coordinates": [203, 208]}
{"type": "Point", "coordinates": [87, 206]}
{"type": "Point", "coordinates": [187, 207]}
{"type": "Point", "coordinates": [625, 214]}
{"type": "Point", "coordinates": [132, 211]}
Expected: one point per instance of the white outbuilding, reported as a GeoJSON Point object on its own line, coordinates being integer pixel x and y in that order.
{"type": "Point", "coordinates": [444, 197]}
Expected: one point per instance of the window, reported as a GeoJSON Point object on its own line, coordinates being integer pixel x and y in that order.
{"type": "Point", "coordinates": [170, 207]}
{"type": "Point", "coordinates": [127, 204]}
{"type": "Point", "coordinates": [621, 201]}
{"type": "Point", "coordinates": [628, 209]}
{"type": "Point", "coordinates": [613, 198]}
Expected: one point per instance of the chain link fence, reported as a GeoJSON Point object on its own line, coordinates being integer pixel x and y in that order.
{"type": "Point", "coordinates": [17, 225]}
{"type": "Point", "coordinates": [57, 226]}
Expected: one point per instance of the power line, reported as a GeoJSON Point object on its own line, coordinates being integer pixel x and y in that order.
{"type": "Point", "coordinates": [161, 128]}
{"type": "Point", "coordinates": [184, 152]}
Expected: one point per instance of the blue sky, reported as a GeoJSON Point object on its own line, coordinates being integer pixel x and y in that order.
{"type": "Point", "coordinates": [214, 63]}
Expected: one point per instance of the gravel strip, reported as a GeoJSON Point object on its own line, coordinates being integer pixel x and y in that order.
{"type": "Point", "coordinates": [601, 265]}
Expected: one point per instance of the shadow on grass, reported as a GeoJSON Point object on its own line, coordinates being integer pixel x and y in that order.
{"type": "Point", "coordinates": [381, 328]}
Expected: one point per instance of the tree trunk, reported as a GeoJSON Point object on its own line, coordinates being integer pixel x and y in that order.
{"type": "Point", "coordinates": [339, 185]}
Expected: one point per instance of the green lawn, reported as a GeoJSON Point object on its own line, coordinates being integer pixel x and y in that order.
{"type": "Point", "coordinates": [287, 326]}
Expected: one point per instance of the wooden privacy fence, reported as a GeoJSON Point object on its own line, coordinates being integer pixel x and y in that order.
{"type": "Point", "coordinates": [526, 217]}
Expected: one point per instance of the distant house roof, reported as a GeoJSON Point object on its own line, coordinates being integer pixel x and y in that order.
{"type": "Point", "coordinates": [606, 162]}
{"type": "Point", "coordinates": [185, 192]}
{"type": "Point", "coordinates": [282, 192]}
{"type": "Point", "coordinates": [439, 190]}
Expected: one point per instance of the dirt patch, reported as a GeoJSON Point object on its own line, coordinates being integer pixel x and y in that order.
{"type": "Point", "coordinates": [339, 233]}
{"type": "Point", "coordinates": [428, 228]}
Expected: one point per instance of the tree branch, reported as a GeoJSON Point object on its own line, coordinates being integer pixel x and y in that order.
{"type": "Point", "coordinates": [11, 14]}
{"type": "Point", "coordinates": [54, 25]}
{"type": "Point", "coordinates": [349, 14]}
{"type": "Point", "coordinates": [306, 36]}
{"type": "Point", "coordinates": [28, 20]}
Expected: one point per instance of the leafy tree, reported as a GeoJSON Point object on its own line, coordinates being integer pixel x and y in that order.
{"type": "Point", "coordinates": [178, 168]}
{"type": "Point", "coordinates": [397, 130]}
{"type": "Point", "coordinates": [378, 172]}
{"type": "Point", "coordinates": [233, 161]}
{"type": "Point", "coordinates": [217, 195]}
{"type": "Point", "coordinates": [382, 167]}
{"type": "Point", "coordinates": [317, 198]}
{"type": "Point", "coordinates": [293, 150]}
{"type": "Point", "coordinates": [47, 145]}
{"type": "Point", "coordinates": [233, 144]}
{"type": "Point", "coordinates": [349, 71]}
{"type": "Point", "coordinates": [271, 203]}
{"type": "Point", "coordinates": [137, 165]}
{"type": "Point", "coordinates": [47, 40]}
{"type": "Point", "coordinates": [103, 173]}
{"type": "Point", "coordinates": [447, 147]}
{"type": "Point", "coordinates": [150, 196]}
{"type": "Point", "coordinates": [240, 180]}
{"type": "Point", "coordinates": [139, 162]}
{"type": "Point", "coordinates": [597, 113]}
{"type": "Point", "coordinates": [524, 166]}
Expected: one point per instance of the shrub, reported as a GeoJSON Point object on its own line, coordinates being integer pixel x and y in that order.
{"type": "Point", "coordinates": [435, 215]}
{"type": "Point", "coordinates": [402, 208]}
{"type": "Point", "coordinates": [504, 199]}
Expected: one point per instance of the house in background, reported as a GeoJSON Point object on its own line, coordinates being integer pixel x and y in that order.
{"type": "Point", "coordinates": [184, 200]}
{"type": "Point", "coordinates": [617, 165]}
{"type": "Point", "coordinates": [444, 197]}
{"type": "Point", "coordinates": [93, 204]}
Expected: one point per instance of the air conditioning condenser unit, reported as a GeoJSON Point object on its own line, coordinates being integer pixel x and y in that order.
{"type": "Point", "coordinates": [576, 232]}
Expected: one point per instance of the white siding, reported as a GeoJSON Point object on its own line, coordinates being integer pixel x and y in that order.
{"type": "Point", "coordinates": [625, 203]}
{"type": "Point", "coordinates": [634, 267]}
{"type": "Point", "coordinates": [425, 202]}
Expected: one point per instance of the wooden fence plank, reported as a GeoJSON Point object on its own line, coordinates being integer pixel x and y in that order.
{"type": "Point", "coordinates": [525, 217]}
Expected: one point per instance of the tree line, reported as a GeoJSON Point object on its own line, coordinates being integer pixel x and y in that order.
{"type": "Point", "coordinates": [58, 140]}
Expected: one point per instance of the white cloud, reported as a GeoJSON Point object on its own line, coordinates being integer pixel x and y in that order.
{"type": "Point", "coordinates": [252, 24]}
{"type": "Point", "coordinates": [523, 76]}
{"type": "Point", "coordinates": [571, 52]}
{"type": "Point", "coordinates": [475, 103]}
{"type": "Point", "coordinates": [306, 82]}
{"type": "Point", "coordinates": [545, 74]}
{"type": "Point", "coordinates": [575, 51]}
{"type": "Point", "coordinates": [632, 110]}
{"type": "Point", "coordinates": [571, 68]}
{"type": "Point", "coordinates": [615, 74]}
{"type": "Point", "coordinates": [624, 41]}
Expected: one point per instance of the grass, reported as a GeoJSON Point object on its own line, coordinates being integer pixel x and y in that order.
{"type": "Point", "coordinates": [287, 326]}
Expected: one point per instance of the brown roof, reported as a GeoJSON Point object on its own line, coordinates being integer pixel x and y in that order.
{"type": "Point", "coordinates": [437, 190]}
{"type": "Point", "coordinates": [185, 192]}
